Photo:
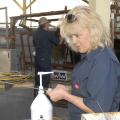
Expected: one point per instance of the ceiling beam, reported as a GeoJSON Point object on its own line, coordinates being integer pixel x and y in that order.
{"type": "Point", "coordinates": [40, 14]}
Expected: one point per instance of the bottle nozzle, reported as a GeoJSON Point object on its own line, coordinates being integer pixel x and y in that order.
{"type": "Point", "coordinates": [40, 74]}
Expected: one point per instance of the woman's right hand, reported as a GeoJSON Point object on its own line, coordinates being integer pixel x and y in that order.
{"type": "Point", "coordinates": [58, 93]}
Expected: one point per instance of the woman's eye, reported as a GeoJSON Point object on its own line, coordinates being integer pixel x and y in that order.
{"type": "Point", "coordinates": [77, 35]}
{"type": "Point", "coordinates": [74, 35]}
{"type": "Point", "coordinates": [70, 36]}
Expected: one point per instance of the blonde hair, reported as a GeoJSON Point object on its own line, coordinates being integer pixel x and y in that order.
{"type": "Point", "coordinates": [89, 19]}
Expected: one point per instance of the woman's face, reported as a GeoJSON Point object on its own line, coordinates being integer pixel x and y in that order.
{"type": "Point", "coordinates": [80, 38]}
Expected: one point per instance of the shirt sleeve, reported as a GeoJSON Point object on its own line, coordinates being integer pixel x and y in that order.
{"type": "Point", "coordinates": [101, 85]}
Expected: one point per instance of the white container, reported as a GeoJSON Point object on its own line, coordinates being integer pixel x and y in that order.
{"type": "Point", "coordinates": [41, 107]}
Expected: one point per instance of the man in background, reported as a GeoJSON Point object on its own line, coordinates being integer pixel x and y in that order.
{"type": "Point", "coordinates": [43, 40]}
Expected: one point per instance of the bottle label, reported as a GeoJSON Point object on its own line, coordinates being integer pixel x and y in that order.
{"type": "Point", "coordinates": [38, 116]}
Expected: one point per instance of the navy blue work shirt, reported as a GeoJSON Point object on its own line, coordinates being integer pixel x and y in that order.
{"type": "Point", "coordinates": [95, 79]}
{"type": "Point", "coordinates": [44, 41]}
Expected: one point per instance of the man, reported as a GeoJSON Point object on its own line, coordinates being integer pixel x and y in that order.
{"type": "Point", "coordinates": [43, 40]}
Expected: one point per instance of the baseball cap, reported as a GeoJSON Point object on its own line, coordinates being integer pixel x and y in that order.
{"type": "Point", "coordinates": [43, 20]}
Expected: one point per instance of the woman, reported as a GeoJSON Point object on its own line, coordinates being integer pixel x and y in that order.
{"type": "Point", "coordinates": [95, 84]}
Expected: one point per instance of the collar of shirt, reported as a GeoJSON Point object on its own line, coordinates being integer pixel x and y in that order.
{"type": "Point", "coordinates": [93, 53]}
{"type": "Point", "coordinates": [110, 52]}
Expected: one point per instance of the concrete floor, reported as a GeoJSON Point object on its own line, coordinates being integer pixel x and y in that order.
{"type": "Point", "coordinates": [15, 105]}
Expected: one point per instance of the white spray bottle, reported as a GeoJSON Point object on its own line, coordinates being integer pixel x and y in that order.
{"type": "Point", "coordinates": [41, 107]}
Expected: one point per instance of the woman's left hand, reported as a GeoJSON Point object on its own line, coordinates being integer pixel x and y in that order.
{"type": "Point", "coordinates": [58, 93]}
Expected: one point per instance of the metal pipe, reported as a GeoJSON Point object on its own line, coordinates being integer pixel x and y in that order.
{"type": "Point", "coordinates": [31, 2]}
{"type": "Point", "coordinates": [18, 4]}
{"type": "Point", "coordinates": [6, 16]}
{"type": "Point", "coordinates": [30, 13]}
{"type": "Point", "coordinates": [2, 8]}
{"type": "Point", "coordinates": [41, 14]}
{"type": "Point", "coordinates": [6, 23]}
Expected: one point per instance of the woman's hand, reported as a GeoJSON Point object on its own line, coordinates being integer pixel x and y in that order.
{"type": "Point", "coordinates": [58, 93]}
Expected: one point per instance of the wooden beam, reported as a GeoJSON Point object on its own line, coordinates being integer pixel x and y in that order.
{"type": "Point", "coordinates": [34, 20]}
{"type": "Point", "coordinates": [41, 14]}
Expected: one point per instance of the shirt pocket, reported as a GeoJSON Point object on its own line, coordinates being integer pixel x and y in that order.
{"type": "Point", "coordinates": [82, 90]}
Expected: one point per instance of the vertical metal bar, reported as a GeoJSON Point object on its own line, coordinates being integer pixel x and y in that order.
{"type": "Point", "coordinates": [23, 61]}
{"type": "Point", "coordinates": [29, 49]}
{"type": "Point", "coordinates": [31, 3]}
{"type": "Point", "coordinates": [24, 7]}
{"type": "Point", "coordinates": [24, 11]}
{"type": "Point", "coordinates": [6, 19]}
{"type": "Point", "coordinates": [6, 16]}
{"type": "Point", "coordinates": [30, 14]}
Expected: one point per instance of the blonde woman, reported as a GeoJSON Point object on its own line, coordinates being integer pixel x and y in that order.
{"type": "Point", "coordinates": [95, 84]}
